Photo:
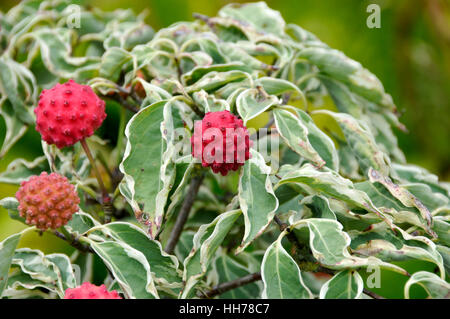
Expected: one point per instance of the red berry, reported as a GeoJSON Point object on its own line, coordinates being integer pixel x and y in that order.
{"type": "Point", "coordinates": [47, 201]}
{"type": "Point", "coordinates": [221, 141]}
{"type": "Point", "coordinates": [90, 291]}
{"type": "Point", "coordinates": [68, 113]}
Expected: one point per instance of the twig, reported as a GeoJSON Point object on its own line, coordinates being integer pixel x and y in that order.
{"type": "Point", "coordinates": [204, 18]}
{"type": "Point", "coordinates": [224, 287]}
{"type": "Point", "coordinates": [106, 199]}
{"type": "Point", "coordinates": [196, 110]}
{"type": "Point", "coordinates": [73, 242]}
{"type": "Point", "coordinates": [290, 236]}
{"type": "Point", "coordinates": [286, 97]}
{"type": "Point", "coordinates": [184, 213]}
{"type": "Point", "coordinates": [125, 103]}
{"type": "Point", "coordinates": [372, 294]}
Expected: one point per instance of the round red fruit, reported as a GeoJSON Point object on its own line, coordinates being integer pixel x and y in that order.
{"type": "Point", "coordinates": [47, 201]}
{"type": "Point", "coordinates": [68, 113]}
{"type": "Point", "coordinates": [90, 291]}
{"type": "Point", "coordinates": [221, 141]}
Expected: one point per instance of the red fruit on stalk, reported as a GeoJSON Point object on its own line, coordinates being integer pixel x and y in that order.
{"type": "Point", "coordinates": [90, 291]}
{"type": "Point", "coordinates": [47, 201]}
{"type": "Point", "coordinates": [68, 113]}
{"type": "Point", "coordinates": [230, 140]}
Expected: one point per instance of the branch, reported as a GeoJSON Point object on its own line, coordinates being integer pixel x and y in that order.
{"type": "Point", "coordinates": [73, 242]}
{"type": "Point", "coordinates": [196, 110]}
{"type": "Point", "coordinates": [290, 236]}
{"type": "Point", "coordinates": [125, 103]}
{"type": "Point", "coordinates": [222, 288]}
{"type": "Point", "coordinates": [372, 294]}
{"type": "Point", "coordinates": [183, 213]}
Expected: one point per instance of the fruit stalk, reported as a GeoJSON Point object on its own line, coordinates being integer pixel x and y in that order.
{"type": "Point", "coordinates": [105, 199]}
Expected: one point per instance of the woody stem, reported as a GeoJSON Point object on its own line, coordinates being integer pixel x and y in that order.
{"type": "Point", "coordinates": [106, 199]}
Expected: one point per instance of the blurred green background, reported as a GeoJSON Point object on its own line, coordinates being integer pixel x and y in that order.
{"type": "Point", "coordinates": [410, 54]}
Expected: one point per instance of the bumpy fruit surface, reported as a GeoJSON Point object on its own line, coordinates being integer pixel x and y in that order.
{"type": "Point", "coordinates": [68, 113]}
{"type": "Point", "coordinates": [90, 291]}
{"type": "Point", "coordinates": [47, 201]}
{"type": "Point", "coordinates": [235, 148]}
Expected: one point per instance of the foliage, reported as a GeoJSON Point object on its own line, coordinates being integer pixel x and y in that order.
{"type": "Point", "coordinates": [338, 197]}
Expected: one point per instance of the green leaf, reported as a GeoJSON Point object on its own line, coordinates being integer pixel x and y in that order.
{"type": "Point", "coordinates": [380, 242]}
{"type": "Point", "coordinates": [295, 134]}
{"type": "Point", "coordinates": [442, 228]}
{"type": "Point", "coordinates": [258, 15]}
{"type": "Point", "coordinates": [10, 203]}
{"type": "Point", "coordinates": [153, 93]}
{"type": "Point", "coordinates": [319, 206]}
{"type": "Point", "coordinates": [332, 184]}
{"type": "Point", "coordinates": [404, 196]}
{"type": "Point", "coordinates": [70, 161]}
{"type": "Point", "coordinates": [55, 51]}
{"type": "Point", "coordinates": [34, 263]}
{"type": "Point", "coordinates": [81, 223]}
{"type": "Point", "coordinates": [320, 141]}
{"type": "Point", "coordinates": [15, 128]}
{"type": "Point", "coordinates": [444, 251]}
{"type": "Point", "coordinates": [329, 245]}
{"type": "Point", "coordinates": [142, 161]}
{"type": "Point", "coordinates": [184, 245]}
{"type": "Point", "coordinates": [208, 45]}
{"type": "Point", "coordinates": [384, 200]}
{"type": "Point", "coordinates": [113, 61]}
{"type": "Point", "coordinates": [164, 266]}
{"type": "Point", "coordinates": [209, 103]}
{"type": "Point", "coordinates": [215, 80]}
{"type": "Point", "coordinates": [384, 136]}
{"type": "Point", "coordinates": [362, 142]}
{"type": "Point", "coordinates": [129, 267]}
{"type": "Point", "coordinates": [426, 196]}
{"type": "Point", "coordinates": [274, 86]}
{"type": "Point", "coordinates": [252, 102]}
{"type": "Point", "coordinates": [12, 84]}
{"type": "Point", "coordinates": [65, 270]}
{"type": "Point", "coordinates": [20, 279]}
{"type": "Point", "coordinates": [7, 248]}
{"type": "Point", "coordinates": [344, 99]}
{"type": "Point", "coordinates": [338, 66]}
{"type": "Point", "coordinates": [346, 284]}
{"type": "Point", "coordinates": [198, 72]}
{"type": "Point", "coordinates": [234, 52]}
{"type": "Point", "coordinates": [256, 198]}
{"type": "Point", "coordinates": [433, 285]}
{"type": "Point", "coordinates": [20, 170]}
{"type": "Point", "coordinates": [414, 174]}
{"type": "Point", "coordinates": [281, 275]}
{"type": "Point", "coordinates": [348, 163]}
{"type": "Point", "coordinates": [206, 241]}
